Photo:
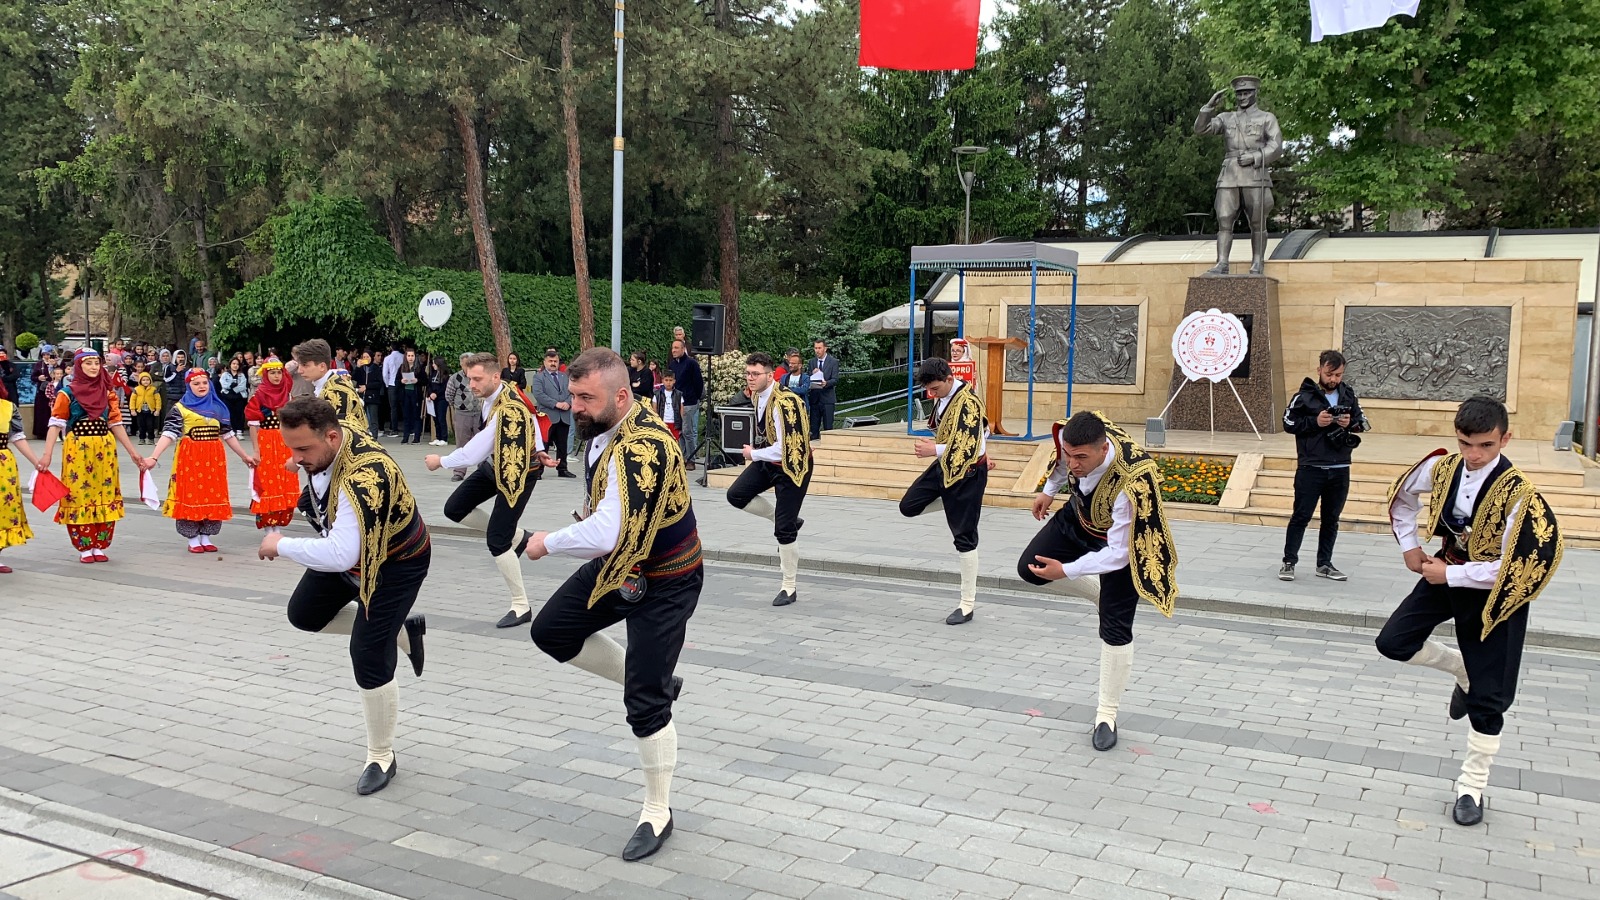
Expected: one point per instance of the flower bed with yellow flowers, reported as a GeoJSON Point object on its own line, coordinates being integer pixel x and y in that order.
{"type": "Point", "coordinates": [1193, 479]}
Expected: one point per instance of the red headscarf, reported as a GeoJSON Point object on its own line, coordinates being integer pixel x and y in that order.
{"type": "Point", "coordinates": [93, 394]}
{"type": "Point", "coordinates": [268, 395]}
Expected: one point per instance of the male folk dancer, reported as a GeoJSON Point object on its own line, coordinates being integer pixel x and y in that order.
{"type": "Point", "coordinates": [507, 457]}
{"type": "Point", "coordinates": [956, 480]}
{"type": "Point", "coordinates": [781, 460]}
{"type": "Point", "coordinates": [1112, 526]}
{"type": "Point", "coordinates": [1501, 546]}
{"type": "Point", "coordinates": [371, 547]}
{"type": "Point", "coordinates": [314, 362]}
{"type": "Point", "coordinates": [638, 533]}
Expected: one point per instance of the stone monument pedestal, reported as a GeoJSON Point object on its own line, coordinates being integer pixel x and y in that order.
{"type": "Point", "coordinates": [1259, 380]}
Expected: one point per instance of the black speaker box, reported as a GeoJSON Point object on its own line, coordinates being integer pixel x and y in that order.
{"type": "Point", "coordinates": [705, 333]}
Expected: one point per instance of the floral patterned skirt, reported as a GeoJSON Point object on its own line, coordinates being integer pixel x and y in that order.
{"type": "Point", "coordinates": [89, 470]}
{"type": "Point", "coordinates": [198, 489]}
{"type": "Point", "coordinates": [14, 529]}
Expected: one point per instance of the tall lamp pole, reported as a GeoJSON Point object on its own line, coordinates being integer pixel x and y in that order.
{"type": "Point", "coordinates": [616, 199]}
{"type": "Point", "coordinates": [967, 177]}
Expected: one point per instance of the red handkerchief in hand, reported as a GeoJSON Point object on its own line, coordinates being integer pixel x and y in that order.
{"type": "Point", "coordinates": [47, 490]}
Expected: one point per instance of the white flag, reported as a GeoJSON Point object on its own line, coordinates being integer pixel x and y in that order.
{"type": "Point", "coordinates": [1344, 16]}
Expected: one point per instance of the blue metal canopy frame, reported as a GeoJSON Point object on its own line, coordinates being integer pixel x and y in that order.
{"type": "Point", "coordinates": [1016, 257]}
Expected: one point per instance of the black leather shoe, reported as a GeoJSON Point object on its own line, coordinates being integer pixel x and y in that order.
{"type": "Point", "coordinates": [374, 779]}
{"type": "Point", "coordinates": [645, 842]}
{"type": "Point", "coordinates": [512, 620]}
{"type": "Point", "coordinates": [785, 598]}
{"type": "Point", "coordinates": [1105, 736]}
{"type": "Point", "coordinates": [1458, 704]}
{"type": "Point", "coordinates": [958, 617]}
{"type": "Point", "coordinates": [416, 627]}
{"type": "Point", "coordinates": [1467, 811]}
{"type": "Point", "coordinates": [565, 474]}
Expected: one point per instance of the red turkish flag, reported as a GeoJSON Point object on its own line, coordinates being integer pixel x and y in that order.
{"type": "Point", "coordinates": [919, 34]}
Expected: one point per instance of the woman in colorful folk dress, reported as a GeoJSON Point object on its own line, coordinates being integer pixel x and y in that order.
{"type": "Point", "coordinates": [277, 490]}
{"type": "Point", "coordinates": [14, 531]}
{"type": "Point", "coordinates": [197, 493]}
{"type": "Point", "coordinates": [89, 415]}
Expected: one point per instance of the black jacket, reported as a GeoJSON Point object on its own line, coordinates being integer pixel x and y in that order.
{"type": "Point", "coordinates": [1315, 444]}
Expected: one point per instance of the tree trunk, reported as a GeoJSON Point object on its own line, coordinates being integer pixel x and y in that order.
{"type": "Point", "coordinates": [727, 232]}
{"type": "Point", "coordinates": [208, 300]}
{"type": "Point", "coordinates": [580, 241]}
{"type": "Point", "coordinates": [478, 211]}
{"type": "Point", "coordinates": [394, 215]}
{"type": "Point", "coordinates": [10, 322]}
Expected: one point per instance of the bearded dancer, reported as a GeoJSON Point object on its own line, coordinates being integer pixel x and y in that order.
{"type": "Point", "coordinates": [14, 531]}
{"type": "Point", "coordinates": [956, 480]}
{"type": "Point", "coordinates": [197, 492]}
{"type": "Point", "coordinates": [90, 417]}
{"type": "Point", "coordinates": [1501, 546]}
{"type": "Point", "coordinates": [372, 548]}
{"type": "Point", "coordinates": [781, 461]}
{"type": "Point", "coordinates": [639, 535]}
{"type": "Point", "coordinates": [314, 362]}
{"type": "Point", "coordinates": [507, 457]}
{"type": "Point", "coordinates": [276, 490]}
{"type": "Point", "coordinates": [1112, 526]}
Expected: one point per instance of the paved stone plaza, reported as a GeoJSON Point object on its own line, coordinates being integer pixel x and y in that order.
{"type": "Point", "coordinates": [849, 746]}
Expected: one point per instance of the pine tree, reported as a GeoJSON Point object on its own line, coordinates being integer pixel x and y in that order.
{"type": "Point", "coordinates": [841, 328]}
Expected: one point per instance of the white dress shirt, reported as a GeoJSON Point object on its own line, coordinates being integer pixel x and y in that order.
{"type": "Point", "coordinates": [1114, 555]}
{"type": "Point", "coordinates": [597, 534]}
{"type": "Point", "coordinates": [938, 413]}
{"type": "Point", "coordinates": [774, 453]}
{"type": "Point", "coordinates": [338, 549]}
{"type": "Point", "coordinates": [316, 388]}
{"type": "Point", "coordinates": [391, 367]}
{"type": "Point", "coordinates": [1408, 504]}
{"type": "Point", "coordinates": [482, 444]}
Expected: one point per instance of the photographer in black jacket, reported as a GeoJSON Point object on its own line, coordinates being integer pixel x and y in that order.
{"type": "Point", "coordinates": [1324, 418]}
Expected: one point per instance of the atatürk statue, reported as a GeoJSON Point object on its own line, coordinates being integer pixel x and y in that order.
{"type": "Point", "coordinates": [1254, 143]}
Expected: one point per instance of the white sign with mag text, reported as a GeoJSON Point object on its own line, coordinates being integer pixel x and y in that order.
{"type": "Point", "coordinates": [434, 310]}
{"type": "Point", "coordinates": [1209, 345]}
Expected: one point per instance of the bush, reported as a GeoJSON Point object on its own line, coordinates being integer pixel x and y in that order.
{"type": "Point", "coordinates": [26, 342]}
{"type": "Point", "coordinates": [333, 276]}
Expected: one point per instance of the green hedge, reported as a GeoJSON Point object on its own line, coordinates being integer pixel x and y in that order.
{"type": "Point", "coordinates": [333, 275]}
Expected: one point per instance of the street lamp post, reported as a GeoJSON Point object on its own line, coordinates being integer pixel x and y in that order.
{"type": "Point", "coordinates": [967, 177]}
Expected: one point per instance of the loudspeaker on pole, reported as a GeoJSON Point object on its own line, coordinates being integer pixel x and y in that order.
{"type": "Point", "coordinates": [706, 329]}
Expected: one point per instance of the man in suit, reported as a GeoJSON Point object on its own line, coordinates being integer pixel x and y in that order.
{"type": "Point", "coordinates": [554, 398]}
{"type": "Point", "coordinates": [822, 371]}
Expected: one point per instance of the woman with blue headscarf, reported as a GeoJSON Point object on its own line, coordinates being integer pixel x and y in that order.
{"type": "Point", "coordinates": [197, 493]}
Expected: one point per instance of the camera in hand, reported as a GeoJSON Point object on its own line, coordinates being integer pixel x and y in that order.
{"type": "Point", "coordinates": [1337, 411]}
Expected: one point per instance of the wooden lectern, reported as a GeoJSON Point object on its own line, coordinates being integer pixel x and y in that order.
{"type": "Point", "coordinates": [994, 376]}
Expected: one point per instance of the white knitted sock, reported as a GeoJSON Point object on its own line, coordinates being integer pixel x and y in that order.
{"type": "Point", "coordinates": [1435, 655]}
{"type": "Point", "coordinates": [760, 506]}
{"type": "Point", "coordinates": [789, 563]}
{"type": "Point", "coordinates": [510, 565]}
{"type": "Point", "coordinates": [969, 581]}
{"type": "Point", "coordinates": [600, 655]}
{"type": "Point", "coordinates": [1115, 665]}
{"type": "Point", "coordinates": [381, 706]}
{"type": "Point", "coordinates": [343, 621]}
{"type": "Point", "coordinates": [477, 520]}
{"type": "Point", "coordinates": [658, 753]}
{"type": "Point", "coordinates": [1481, 749]}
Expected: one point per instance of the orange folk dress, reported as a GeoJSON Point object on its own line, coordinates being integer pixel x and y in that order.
{"type": "Point", "coordinates": [197, 492]}
{"type": "Point", "coordinates": [277, 490]}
